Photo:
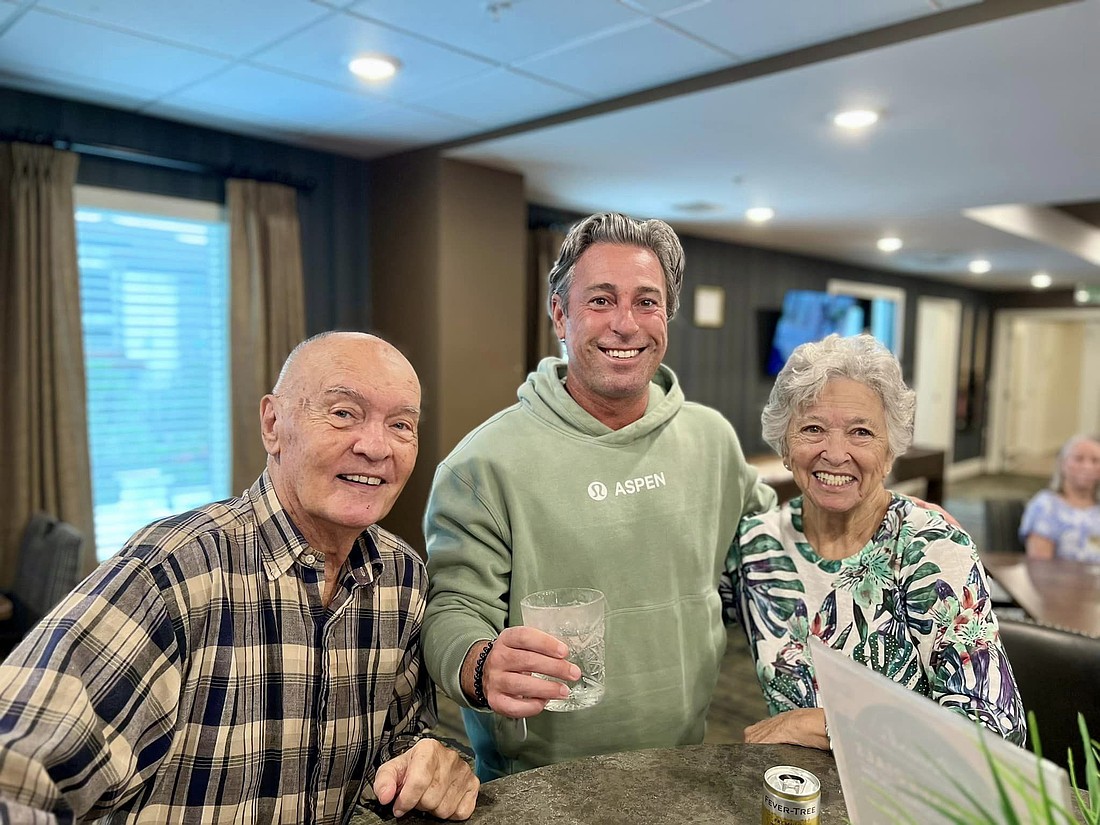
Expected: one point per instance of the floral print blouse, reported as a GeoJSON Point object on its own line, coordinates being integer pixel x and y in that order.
{"type": "Point", "coordinates": [913, 604]}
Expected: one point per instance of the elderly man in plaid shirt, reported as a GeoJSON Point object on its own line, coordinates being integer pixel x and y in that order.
{"type": "Point", "coordinates": [258, 659]}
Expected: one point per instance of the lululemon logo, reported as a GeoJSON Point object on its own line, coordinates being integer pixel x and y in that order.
{"type": "Point", "coordinates": [597, 491]}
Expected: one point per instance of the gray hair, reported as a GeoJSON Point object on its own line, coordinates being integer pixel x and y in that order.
{"type": "Point", "coordinates": [859, 358]}
{"type": "Point", "coordinates": [1057, 479]}
{"type": "Point", "coordinates": [615, 228]}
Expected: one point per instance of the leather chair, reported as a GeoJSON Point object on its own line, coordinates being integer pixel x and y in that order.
{"type": "Point", "coordinates": [49, 567]}
{"type": "Point", "coordinates": [1002, 524]}
{"type": "Point", "coordinates": [1058, 673]}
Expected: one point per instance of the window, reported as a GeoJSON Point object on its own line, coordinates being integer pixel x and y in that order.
{"type": "Point", "coordinates": [154, 293]}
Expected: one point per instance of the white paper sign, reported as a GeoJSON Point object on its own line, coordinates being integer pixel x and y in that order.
{"type": "Point", "coordinates": [897, 752]}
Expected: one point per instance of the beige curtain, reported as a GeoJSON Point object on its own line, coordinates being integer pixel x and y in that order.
{"type": "Point", "coordinates": [543, 246]}
{"type": "Point", "coordinates": [44, 462]}
{"type": "Point", "coordinates": [267, 308]}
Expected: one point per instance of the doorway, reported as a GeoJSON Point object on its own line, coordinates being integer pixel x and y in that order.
{"type": "Point", "coordinates": [936, 373]}
{"type": "Point", "coordinates": [1044, 386]}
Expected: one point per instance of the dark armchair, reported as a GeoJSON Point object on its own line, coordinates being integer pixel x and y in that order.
{"type": "Point", "coordinates": [1058, 673]}
{"type": "Point", "coordinates": [1002, 524]}
{"type": "Point", "coordinates": [49, 567]}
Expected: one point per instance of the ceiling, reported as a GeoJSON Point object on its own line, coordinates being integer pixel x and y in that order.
{"type": "Point", "coordinates": [688, 110]}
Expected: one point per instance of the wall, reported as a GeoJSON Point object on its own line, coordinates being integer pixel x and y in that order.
{"type": "Point", "coordinates": [723, 367]}
{"type": "Point", "coordinates": [406, 306]}
{"type": "Point", "coordinates": [449, 253]}
{"type": "Point", "coordinates": [333, 214]}
{"type": "Point", "coordinates": [482, 267]}
{"type": "Point", "coordinates": [1089, 412]}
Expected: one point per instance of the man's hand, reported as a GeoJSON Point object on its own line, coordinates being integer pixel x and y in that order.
{"type": "Point", "coordinates": [506, 677]}
{"type": "Point", "coordinates": [803, 726]}
{"type": "Point", "coordinates": [428, 777]}
{"type": "Point", "coordinates": [927, 505]}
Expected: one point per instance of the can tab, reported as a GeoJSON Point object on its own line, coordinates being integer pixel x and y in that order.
{"type": "Point", "coordinates": [790, 783]}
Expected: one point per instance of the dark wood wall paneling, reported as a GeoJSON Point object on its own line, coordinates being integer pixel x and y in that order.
{"type": "Point", "coordinates": [333, 213]}
{"type": "Point", "coordinates": [1031, 299]}
{"type": "Point", "coordinates": [724, 367]}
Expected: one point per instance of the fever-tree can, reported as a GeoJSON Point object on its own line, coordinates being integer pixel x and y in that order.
{"type": "Point", "coordinates": [792, 796]}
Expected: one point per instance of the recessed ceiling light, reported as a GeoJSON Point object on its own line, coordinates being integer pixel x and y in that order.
{"type": "Point", "coordinates": [374, 67]}
{"type": "Point", "coordinates": [979, 266]}
{"type": "Point", "coordinates": [760, 214]}
{"type": "Point", "coordinates": [1081, 295]}
{"type": "Point", "coordinates": [855, 118]}
{"type": "Point", "coordinates": [889, 244]}
{"type": "Point", "coordinates": [1041, 280]}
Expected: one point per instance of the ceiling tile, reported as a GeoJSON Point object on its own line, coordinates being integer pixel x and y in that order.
{"type": "Point", "coordinates": [638, 58]}
{"type": "Point", "coordinates": [8, 10]}
{"type": "Point", "coordinates": [117, 97]}
{"type": "Point", "coordinates": [227, 120]}
{"type": "Point", "coordinates": [243, 123]}
{"type": "Point", "coordinates": [754, 30]}
{"type": "Point", "coordinates": [232, 27]}
{"type": "Point", "coordinates": [397, 128]}
{"type": "Point", "coordinates": [276, 98]}
{"type": "Point", "coordinates": [57, 49]}
{"type": "Point", "coordinates": [323, 51]}
{"type": "Point", "coordinates": [666, 6]}
{"type": "Point", "coordinates": [501, 97]}
{"type": "Point", "coordinates": [518, 30]}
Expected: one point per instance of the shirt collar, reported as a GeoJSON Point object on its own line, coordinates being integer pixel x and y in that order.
{"type": "Point", "coordinates": [282, 543]}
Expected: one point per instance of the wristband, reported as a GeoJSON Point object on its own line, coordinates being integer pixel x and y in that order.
{"type": "Point", "coordinates": [479, 672]}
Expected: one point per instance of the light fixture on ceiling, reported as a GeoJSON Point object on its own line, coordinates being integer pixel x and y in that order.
{"type": "Point", "coordinates": [760, 214]}
{"type": "Point", "coordinates": [1041, 280]}
{"type": "Point", "coordinates": [855, 119]}
{"type": "Point", "coordinates": [979, 266]}
{"type": "Point", "coordinates": [374, 67]}
{"type": "Point", "coordinates": [889, 244]}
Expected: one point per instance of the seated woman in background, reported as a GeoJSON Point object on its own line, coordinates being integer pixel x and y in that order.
{"type": "Point", "coordinates": [870, 573]}
{"type": "Point", "coordinates": [1064, 521]}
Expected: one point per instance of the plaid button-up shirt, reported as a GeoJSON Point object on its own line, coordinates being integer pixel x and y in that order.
{"type": "Point", "coordinates": [196, 677]}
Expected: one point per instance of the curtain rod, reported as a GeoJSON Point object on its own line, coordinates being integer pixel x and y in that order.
{"type": "Point", "coordinates": [143, 158]}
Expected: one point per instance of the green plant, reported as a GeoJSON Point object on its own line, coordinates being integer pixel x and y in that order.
{"type": "Point", "coordinates": [1091, 811]}
{"type": "Point", "coordinates": [1039, 806]}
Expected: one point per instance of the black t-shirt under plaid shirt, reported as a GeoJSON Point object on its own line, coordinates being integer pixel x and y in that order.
{"type": "Point", "coordinates": [196, 677]}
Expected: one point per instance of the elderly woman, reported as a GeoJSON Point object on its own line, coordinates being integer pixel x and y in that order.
{"type": "Point", "coordinates": [1064, 521]}
{"type": "Point", "coordinates": [870, 573]}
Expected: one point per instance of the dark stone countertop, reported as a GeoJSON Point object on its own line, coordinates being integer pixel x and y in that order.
{"type": "Point", "coordinates": [697, 784]}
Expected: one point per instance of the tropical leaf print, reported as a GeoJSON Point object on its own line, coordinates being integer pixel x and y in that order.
{"type": "Point", "coordinates": [866, 575]}
{"type": "Point", "coordinates": [912, 604]}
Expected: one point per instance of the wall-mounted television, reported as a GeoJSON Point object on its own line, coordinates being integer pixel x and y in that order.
{"type": "Point", "coordinates": [810, 316]}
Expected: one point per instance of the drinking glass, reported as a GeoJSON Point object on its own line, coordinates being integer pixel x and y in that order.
{"type": "Point", "coordinates": [576, 616]}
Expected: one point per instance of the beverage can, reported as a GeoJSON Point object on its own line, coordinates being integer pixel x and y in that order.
{"type": "Point", "coordinates": [792, 796]}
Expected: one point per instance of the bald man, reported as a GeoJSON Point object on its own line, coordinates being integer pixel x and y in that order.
{"type": "Point", "coordinates": [258, 659]}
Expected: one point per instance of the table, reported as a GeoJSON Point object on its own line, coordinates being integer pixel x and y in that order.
{"type": "Point", "coordinates": [1056, 592]}
{"type": "Point", "coordinates": [918, 462]}
{"type": "Point", "coordinates": [695, 784]}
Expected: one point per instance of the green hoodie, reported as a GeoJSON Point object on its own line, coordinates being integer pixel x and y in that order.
{"type": "Point", "coordinates": [543, 495]}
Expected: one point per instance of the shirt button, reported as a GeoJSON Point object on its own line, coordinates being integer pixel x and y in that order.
{"type": "Point", "coordinates": [309, 558]}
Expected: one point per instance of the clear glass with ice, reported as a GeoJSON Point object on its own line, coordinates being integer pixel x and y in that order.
{"type": "Point", "coordinates": [576, 616]}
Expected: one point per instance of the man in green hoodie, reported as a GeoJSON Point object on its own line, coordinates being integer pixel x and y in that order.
{"type": "Point", "coordinates": [601, 476]}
